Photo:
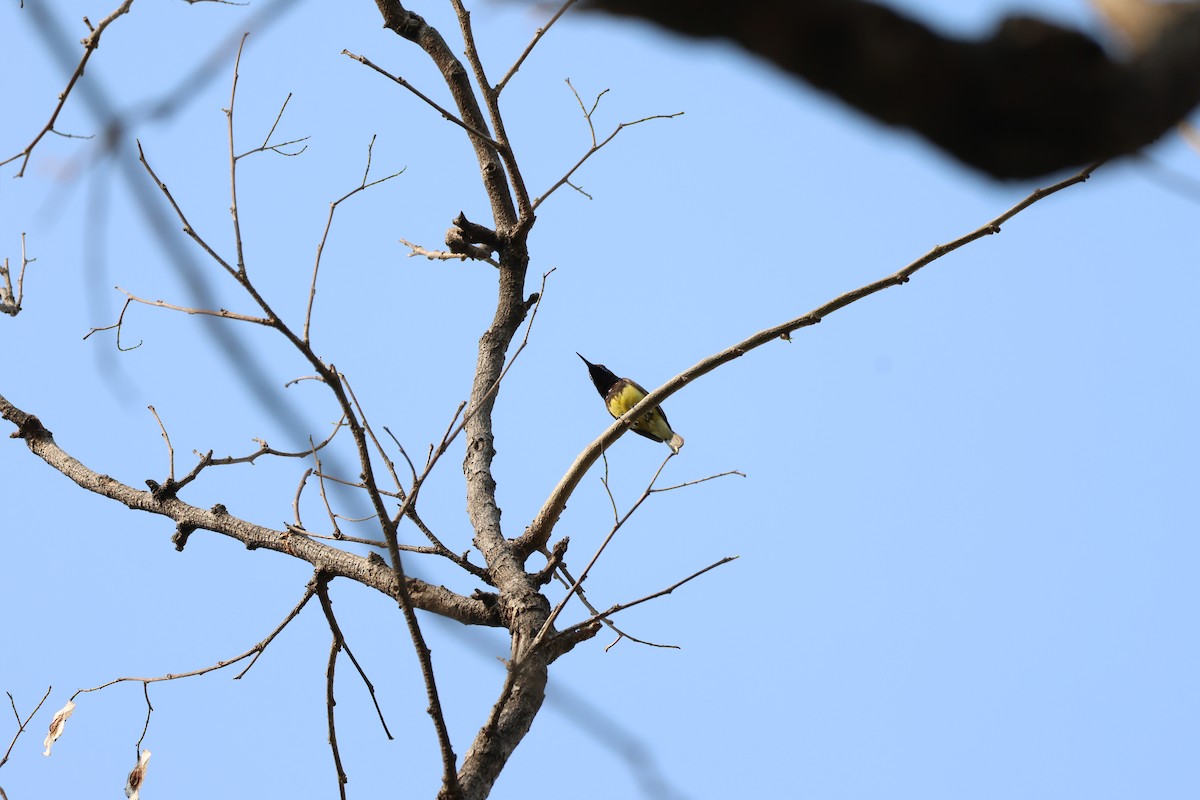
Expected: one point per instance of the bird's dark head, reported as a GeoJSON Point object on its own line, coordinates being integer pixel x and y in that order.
{"type": "Point", "coordinates": [602, 376]}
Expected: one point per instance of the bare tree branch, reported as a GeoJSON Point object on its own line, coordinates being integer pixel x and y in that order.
{"type": "Point", "coordinates": [539, 531]}
{"type": "Point", "coordinates": [437, 599]}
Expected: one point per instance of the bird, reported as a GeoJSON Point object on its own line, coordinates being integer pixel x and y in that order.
{"type": "Point", "coordinates": [622, 394]}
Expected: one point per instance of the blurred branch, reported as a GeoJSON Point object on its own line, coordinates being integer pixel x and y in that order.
{"type": "Point", "coordinates": [1028, 100]}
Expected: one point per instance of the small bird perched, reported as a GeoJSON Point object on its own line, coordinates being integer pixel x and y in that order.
{"type": "Point", "coordinates": [622, 394]}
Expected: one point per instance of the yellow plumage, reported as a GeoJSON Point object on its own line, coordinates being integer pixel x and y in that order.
{"type": "Point", "coordinates": [622, 394]}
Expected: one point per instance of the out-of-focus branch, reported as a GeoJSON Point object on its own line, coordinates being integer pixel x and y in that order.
{"type": "Point", "coordinates": [1030, 99]}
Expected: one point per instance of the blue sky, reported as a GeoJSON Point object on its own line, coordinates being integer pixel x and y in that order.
{"type": "Point", "coordinates": [968, 527]}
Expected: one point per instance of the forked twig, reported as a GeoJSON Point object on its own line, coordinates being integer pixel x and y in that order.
{"type": "Point", "coordinates": [22, 724]}
{"type": "Point", "coordinates": [10, 299]}
{"type": "Point", "coordinates": [596, 146]}
{"type": "Point", "coordinates": [275, 148]}
{"type": "Point", "coordinates": [338, 644]}
{"type": "Point", "coordinates": [254, 651]}
{"type": "Point", "coordinates": [602, 616]}
{"type": "Point", "coordinates": [549, 623]}
{"type": "Point", "coordinates": [118, 325]}
{"type": "Point", "coordinates": [312, 291]}
{"type": "Point", "coordinates": [577, 584]}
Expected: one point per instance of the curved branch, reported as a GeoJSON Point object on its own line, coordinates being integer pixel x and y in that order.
{"type": "Point", "coordinates": [539, 531]}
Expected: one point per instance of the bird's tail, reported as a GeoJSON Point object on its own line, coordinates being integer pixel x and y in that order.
{"type": "Point", "coordinates": [675, 443]}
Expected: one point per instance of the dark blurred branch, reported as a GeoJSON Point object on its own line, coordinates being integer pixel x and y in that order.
{"type": "Point", "coordinates": [1030, 99]}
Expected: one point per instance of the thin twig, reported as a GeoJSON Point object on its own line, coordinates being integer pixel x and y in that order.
{"type": "Point", "coordinates": [446, 114]}
{"type": "Point", "coordinates": [208, 312]}
{"type": "Point", "coordinates": [149, 711]}
{"type": "Point", "coordinates": [312, 292]}
{"type": "Point", "coordinates": [21, 724]}
{"type": "Point", "coordinates": [254, 651]}
{"type": "Point", "coordinates": [549, 623]}
{"type": "Point", "coordinates": [602, 616]}
{"type": "Point", "coordinates": [265, 449]}
{"type": "Point", "coordinates": [275, 148]}
{"type": "Point", "coordinates": [568, 582]}
{"type": "Point", "coordinates": [537, 37]}
{"type": "Point", "coordinates": [335, 646]}
{"type": "Point", "coordinates": [577, 585]}
{"type": "Point", "coordinates": [118, 325]}
{"type": "Point", "coordinates": [438, 547]}
{"type": "Point", "coordinates": [340, 638]}
{"type": "Point", "coordinates": [686, 484]}
{"type": "Point", "coordinates": [325, 497]}
{"type": "Point", "coordinates": [296, 500]}
{"type": "Point", "coordinates": [170, 449]}
{"type": "Point", "coordinates": [596, 146]}
{"type": "Point", "coordinates": [233, 204]}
